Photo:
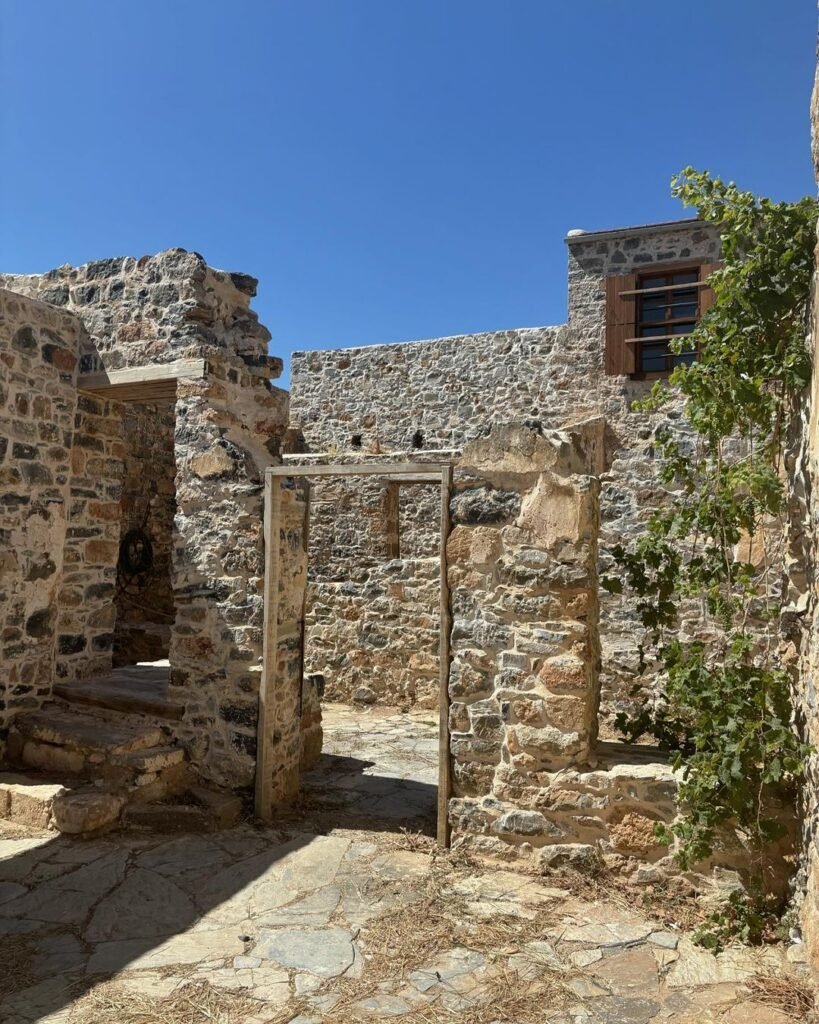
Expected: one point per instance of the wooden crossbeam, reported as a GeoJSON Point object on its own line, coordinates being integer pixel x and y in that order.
{"type": "Point", "coordinates": [153, 383]}
{"type": "Point", "coordinates": [398, 472]}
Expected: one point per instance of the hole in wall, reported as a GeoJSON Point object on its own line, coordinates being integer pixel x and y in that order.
{"type": "Point", "coordinates": [417, 439]}
{"type": "Point", "coordinates": [355, 441]}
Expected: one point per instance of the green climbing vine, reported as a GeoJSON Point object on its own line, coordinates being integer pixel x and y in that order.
{"type": "Point", "coordinates": [715, 547]}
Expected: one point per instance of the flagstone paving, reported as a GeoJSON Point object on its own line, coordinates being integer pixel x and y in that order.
{"type": "Point", "coordinates": [338, 915]}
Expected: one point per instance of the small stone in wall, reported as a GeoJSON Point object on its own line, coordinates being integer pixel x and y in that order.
{"type": "Point", "coordinates": [577, 856]}
{"type": "Point", "coordinates": [484, 505]}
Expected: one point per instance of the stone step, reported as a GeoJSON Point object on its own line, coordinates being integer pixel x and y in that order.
{"type": "Point", "coordinates": [200, 809]}
{"type": "Point", "coordinates": [80, 808]}
{"type": "Point", "coordinates": [135, 689]}
{"type": "Point", "coordinates": [150, 759]}
{"type": "Point", "coordinates": [93, 737]}
{"type": "Point", "coordinates": [27, 800]}
{"type": "Point", "coordinates": [168, 818]}
{"type": "Point", "coordinates": [35, 801]}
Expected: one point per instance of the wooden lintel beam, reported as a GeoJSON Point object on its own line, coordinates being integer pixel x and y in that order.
{"type": "Point", "coordinates": [155, 382]}
{"type": "Point", "coordinates": [410, 472]}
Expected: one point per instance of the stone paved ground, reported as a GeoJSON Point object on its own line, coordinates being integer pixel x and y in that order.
{"type": "Point", "coordinates": [337, 915]}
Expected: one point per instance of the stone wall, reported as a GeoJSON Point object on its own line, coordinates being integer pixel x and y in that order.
{"type": "Point", "coordinates": [529, 781]}
{"type": "Point", "coordinates": [86, 611]}
{"type": "Point", "coordinates": [52, 517]}
{"type": "Point", "coordinates": [227, 429]}
{"type": "Point", "coordinates": [801, 615]}
{"type": "Point", "coordinates": [446, 392]}
{"type": "Point", "coordinates": [374, 636]}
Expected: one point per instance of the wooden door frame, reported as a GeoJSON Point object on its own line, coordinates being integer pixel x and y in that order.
{"type": "Point", "coordinates": [392, 472]}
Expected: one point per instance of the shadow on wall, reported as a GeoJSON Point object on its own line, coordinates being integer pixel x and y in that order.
{"type": "Point", "coordinates": [123, 900]}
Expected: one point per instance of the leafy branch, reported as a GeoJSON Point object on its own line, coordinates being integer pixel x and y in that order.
{"type": "Point", "coordinates": [725, 710]}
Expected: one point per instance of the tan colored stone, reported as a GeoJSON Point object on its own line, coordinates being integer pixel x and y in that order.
{"type": "Point", "coordinates": [517, 449]}
{"type": "Point", "coordinates": [476, 545]}
{"type": "Point", "coordinates": [555, 512]}
{"type": "Point", "coordinates": [101, 552]}
{"type": "Point", "coordinates": [571, 714]}
{"type": "Point", "coordinates": [697, 967]}
{"type": "Point", "coordinates": [213, 463]}
{"type": "Point", "coordinates": [50, 758]}
{"type": "Point", "coordinates": [108, 511]}
{"type": "Point", "coordinates": [89, 811]}
{"type": "Point", "coordinates": [631, 973]}
{"type": "Point", "coordinates": [756, 1013]}
{"type": "Point", "coordinates": [564, 672]}
{"type": "Point", "coordinates": [29, 800]}
{"type": "Point", "coordinates": [634, 833]}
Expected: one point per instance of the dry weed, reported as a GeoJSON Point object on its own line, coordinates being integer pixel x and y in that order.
{"type": "Point", "coordinates": [668, 905]}
{"type": "Point", "coordinates": [405, 938]}
{"type": "Point", "coordinates": [790, 994]}
{"type": "Point", "coordinates": [16, 955]}
{"type": "Point", "coordinates": [418, 842]}
{"type": "Point", "coordinates": [191, 1003]}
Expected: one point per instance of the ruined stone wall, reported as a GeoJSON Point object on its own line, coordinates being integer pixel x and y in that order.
{"type": "Point", "coordinates": [528, 782]}
{"type": "Point", "coordinates": [373, 599]}
{"type": "Point", "coordinates": [54, 507]}
{"type": "Point", "coordinates": [452, 390]}
{"type": "Point", "coordinates": [228, 427]}
{"type": "Point", "coordinates": [144, 601]}
{"type": "Point", "coordinates": [801, 614]}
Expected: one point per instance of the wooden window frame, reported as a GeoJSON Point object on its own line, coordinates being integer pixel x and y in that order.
{"type": "Point", "coordinates": [623, 292]}
{"type": "Point", "coordinates": [639, 340]}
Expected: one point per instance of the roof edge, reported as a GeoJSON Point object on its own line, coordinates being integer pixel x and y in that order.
{"type": "Point", "coordinates": [638, 229]}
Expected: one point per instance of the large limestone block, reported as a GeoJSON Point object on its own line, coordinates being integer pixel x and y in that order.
{"type": "Point", "coordinates": [515, 450]}
{"type": "Point", "coordinates": [90, 811]}
{"type": "Point", "coordinates": [557, 511]}
{"type": "Point", "coordinates": [27, 800]}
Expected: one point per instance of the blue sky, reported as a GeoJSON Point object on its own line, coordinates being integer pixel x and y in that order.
{"type": "Point", "coordinates": [389, 169]}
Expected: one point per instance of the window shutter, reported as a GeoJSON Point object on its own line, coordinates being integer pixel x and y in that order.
{"type": "Point", "coordinates": [706, 294]}
{"type": "Point", "coordinates": [621, 323]}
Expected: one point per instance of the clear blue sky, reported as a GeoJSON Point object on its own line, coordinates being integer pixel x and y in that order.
{"type": "Point", "coordinates": [389, 169]}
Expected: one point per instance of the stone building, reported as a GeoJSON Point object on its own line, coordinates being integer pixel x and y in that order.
{"type": "Point", "coordinates": [428, 399]}
{"type": "Point", "coordinates": [139, 430]}
{"type": "Point", "coordinates": [137, 416]}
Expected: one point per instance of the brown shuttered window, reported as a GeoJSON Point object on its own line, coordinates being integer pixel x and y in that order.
{"type": "Point", "coordinates": [621, 320]}
{"type": "Point", "coordinates": [706, 293]}
{"type": "Point", "coordinates": [646, 312]}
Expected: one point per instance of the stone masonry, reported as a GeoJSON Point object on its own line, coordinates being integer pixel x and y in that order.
{"type": "Point", "coordinates": [801, 613]}
{"type": "Point", "coordinates": [226, 427]}
{"type": "Point", "coordinates": [551, 467]}
{"type": "Point", "coordinates": [144, 601]}
{"type": "Point", "coordinates": [443, 393]}
{"type": "Point", "coordinates": [60, 481]}
{"type": "Point", "coordinates": [372, 605]}
{"type": "Point", "coordinates": [530, 781]}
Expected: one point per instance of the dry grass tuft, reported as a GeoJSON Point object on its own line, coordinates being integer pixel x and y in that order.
{"type": "Point", "coordinates": [790, 994]}
{"type": "Point", "coordinates": [668, 904]}
{"type": "Point", "coordinates": [407, 937]}
{"type": "Point", "coordinates": [418, 842]}
{"type": "Point", "coordinates": [16, 955]}
{"type": "Point", "coordinates": [191, 1003]}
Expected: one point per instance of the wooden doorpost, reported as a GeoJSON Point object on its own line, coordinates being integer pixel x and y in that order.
{"type": "Point", "coordinates": [264, 742]}
{"type": "Point", "coordinates": [444, 764]}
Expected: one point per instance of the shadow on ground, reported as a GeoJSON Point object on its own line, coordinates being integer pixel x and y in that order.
{"type": "Point", "coordinates": [88, 909]}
